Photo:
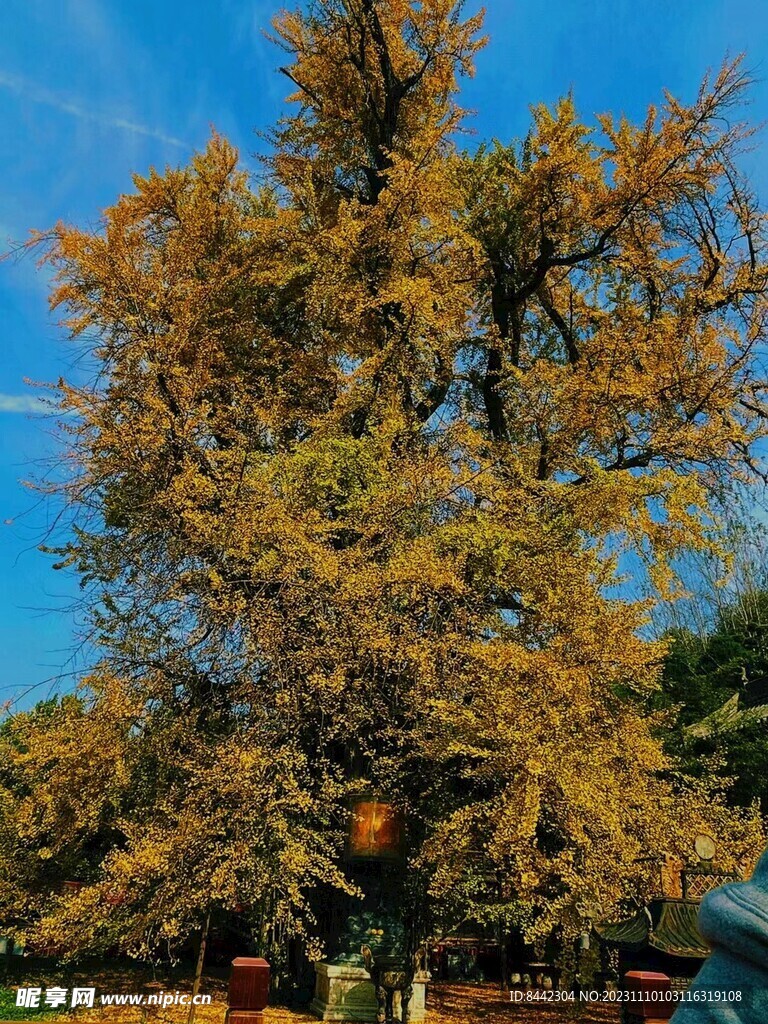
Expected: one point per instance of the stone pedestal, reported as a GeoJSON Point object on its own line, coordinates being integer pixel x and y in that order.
{"type": "Point", "coordinates": [345, 992]}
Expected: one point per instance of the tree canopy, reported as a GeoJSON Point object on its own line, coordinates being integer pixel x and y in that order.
{"type": "Point", "coordinates": [701, 674]}
{"type": "Point", "coordinates": [369, 442]}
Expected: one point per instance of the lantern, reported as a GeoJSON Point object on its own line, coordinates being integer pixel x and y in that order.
{"type": "Point", "coordinates": [375, 830]}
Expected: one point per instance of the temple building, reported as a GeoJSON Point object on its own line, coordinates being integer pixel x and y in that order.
{"type": "Point", "coordinates": [662, 935]}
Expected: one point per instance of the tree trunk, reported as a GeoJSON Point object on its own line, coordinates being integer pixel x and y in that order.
{"type": "Point", "coordinates": [199, 968]}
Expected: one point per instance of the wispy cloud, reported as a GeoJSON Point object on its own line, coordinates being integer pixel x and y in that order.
{"type": "Point", "coordinates": [29, 90]}
{"type": "Point", "coordinates": [22, 404]}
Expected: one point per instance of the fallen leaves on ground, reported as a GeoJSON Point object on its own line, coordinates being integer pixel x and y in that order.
{"type": "Point", "coordinates": [447, 1004]}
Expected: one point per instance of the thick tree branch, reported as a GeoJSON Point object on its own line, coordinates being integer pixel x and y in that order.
{"type": "Point", "coordinates": [564, 329]}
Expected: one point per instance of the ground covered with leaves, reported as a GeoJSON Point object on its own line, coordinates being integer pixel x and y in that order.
{"type": "Point", "coordinates": [447, 1004]}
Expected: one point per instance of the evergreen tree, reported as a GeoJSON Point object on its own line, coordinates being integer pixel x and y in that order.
{"type": "Point", "coordinates": [701, 674]}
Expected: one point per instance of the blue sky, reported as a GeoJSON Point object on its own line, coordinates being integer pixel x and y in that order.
{"type": "Point", "coordinates": [92, 91]}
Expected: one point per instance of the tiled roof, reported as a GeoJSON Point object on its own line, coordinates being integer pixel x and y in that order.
{"type": "Point", "coordinates": [736, 713]}
{"type": "Point", "coordinates": [665, 924]}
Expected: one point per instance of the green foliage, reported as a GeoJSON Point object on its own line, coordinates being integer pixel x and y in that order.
{"type": "Point", "coordinates": [700, 674]}
{"type": "Point", "coordinates": [10, 1011]}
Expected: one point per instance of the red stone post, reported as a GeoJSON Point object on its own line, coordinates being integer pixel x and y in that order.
{"type": "Point", "coordinates": [248, 990]}
{"type": "Point", "coordinates": [650, 999]}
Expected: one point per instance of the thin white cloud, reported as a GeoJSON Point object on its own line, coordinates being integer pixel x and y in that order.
{"type": "Point", "coordinates": [38, 94]}
{"type": "Point", "coordinates": [22, 404]}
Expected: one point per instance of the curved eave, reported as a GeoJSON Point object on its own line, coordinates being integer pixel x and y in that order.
{"type": "Point", "coordinates": [666, 925]}
{"type": "Point", "coordinates": [729, 718]}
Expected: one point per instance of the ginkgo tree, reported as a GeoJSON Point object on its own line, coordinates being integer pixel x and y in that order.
{"type": "Point", "coordinates": [370, 444]}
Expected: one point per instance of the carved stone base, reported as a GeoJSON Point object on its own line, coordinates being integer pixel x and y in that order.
{"type": "Point", "coordinates": [345, 992]}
